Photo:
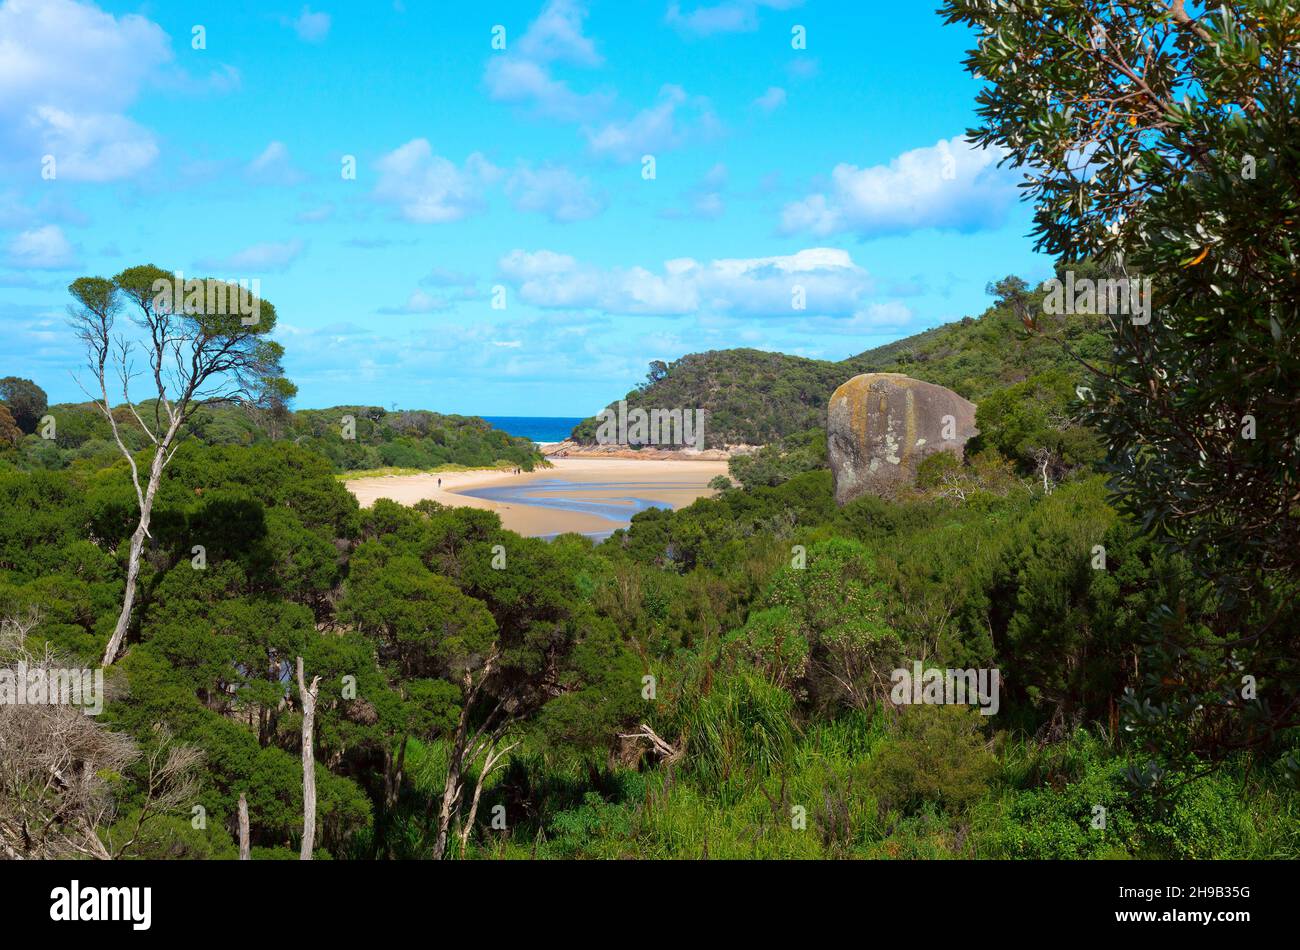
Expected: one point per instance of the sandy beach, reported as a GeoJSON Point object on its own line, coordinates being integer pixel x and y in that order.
{"type": "Point", "coordinates": [613, 484]}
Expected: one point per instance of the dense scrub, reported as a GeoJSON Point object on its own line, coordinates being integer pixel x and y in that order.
{"type": "Point", "coordinates": [350, 437]}
{"type": "Point", "coordinates": [768, 619]}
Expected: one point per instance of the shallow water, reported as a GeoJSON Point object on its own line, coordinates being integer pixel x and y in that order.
{"type": "Point", "coordinates": [618, 508]}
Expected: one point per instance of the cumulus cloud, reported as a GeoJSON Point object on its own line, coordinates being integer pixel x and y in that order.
{"type": "Point", "coordinates": [705, 199]}
{"type": "Point", "coordinates": [554, 350]}
{"type": "Point", "coordinates": [771, 100]}
{"type": "Point", "coordinates": [43, 248]}
{"type": "Point", "coordinates": [419, 302]}
{"type": "Point", "coordinates": [554, 191]}
{"type": "Point", "coordinates": [522, 74]}
{"type": "Point", "coordinates": [873, 319]}
{"type": "Point", "coordinates": [69, 73]}
{"type": "Point", "coordinates": [803, 67]}
{"type": "Point", "coordinates": [730, 16]}
{"type": "Point", "coordinates": [952, 184]}
{"type": "Point", "coordinates": [316, 214]}
{"type": "Point", "coordinates": [312, 27]}
{"type": "Point", "coordinates": [273, 167]}
{"type": "Point", "coordinates": [451, 287]}
{"type": "Point", "coordinates": [674, 119]}
{"type": "Point", "coordinates": [442, 277]}
{"type": "Point", "coordinates": [556, 35]}
{"type": "Point", "coordinates": [429, 189]}
{"type": "Point", "coordinates": [827, 279]}
{"type": "Point", "coordinates": [522, 82]}
{"type": "Point", "coordinates": [267, 256]}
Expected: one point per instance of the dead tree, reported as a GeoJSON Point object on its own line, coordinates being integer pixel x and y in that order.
{"type": "Point", "coordinates": [171, 781]}
{"type": "Point", "coordinates": [464, 745]}
{"type": "Point", "coordinates": [491, 761]}
{"type": "Point", "coordinates": [308, 694]}
{"type": "Point", "coordinates": [55, 798]}
{"type": "Point", "coordinates": [658, 745]}
{"type": "Point", "coordinates": [244, 850]}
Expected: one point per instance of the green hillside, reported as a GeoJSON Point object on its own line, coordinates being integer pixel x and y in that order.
{"type": "Point", "coordinates": [375, 437]}
{"type": "Point", "coordinates": [755, 397]}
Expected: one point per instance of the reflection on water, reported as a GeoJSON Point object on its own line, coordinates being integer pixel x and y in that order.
{"type": "Point", "coordinates": [545, 493]}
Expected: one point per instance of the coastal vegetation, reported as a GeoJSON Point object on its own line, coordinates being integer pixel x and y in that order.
{"type": "Point", "coordinates": [712, 681]}
{"type": "Point", "coordinates": [1120, 545]}
{"type": "Point", "coordinates": [416, 440]}
{"type": "Point", "coordinates": [754, 397]}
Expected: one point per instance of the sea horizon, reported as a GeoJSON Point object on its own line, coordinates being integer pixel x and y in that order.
{"type": "Point", "coordinates": [537, 428]}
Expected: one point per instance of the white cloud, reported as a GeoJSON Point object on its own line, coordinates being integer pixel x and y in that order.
{"type": "Point", "coordinates": [549, 350]}
{"type": "Point", "coordinates": [554, 191]}
{"type": "Point", "coordinates": [316, 214]}
{"type": "Point", "coordinates": [266, 256]}
{"type": "Point", "coordinates": [273, 167]}
{"type": "Point", "coordinates": [704, 200]}
{"type": "Point", "coordinates": [771, 100]}
{"type": "Point", "coordinates": [223, 79]}
{"type": "Point", "coordinates": [312, 27]}
{"type": "Point", "coordinates": [874, 319]}
{"type": "Point", "coordinates": [442, 277]}
{"type": "Point", "coordinates": [556, 35]}
{"type": "Point", "coordinates": [764, 286]}
{"type": "Point", "coordinates": [951, 184]}
{"type": "Point", "coordinates": [656, 129]}
{"type": "Point", "coordinates": [430, 189]}
{"type": "Point", "coordinates": [419, 302]}
{"type": "Point", "coordinates": [803, 67]}
{"type": "Point", "coordinates": [65, 52]}
{"type": "Point", "coordinates": [522, 73]}
{"type": "Point", "coordinates": [101, 147]}
{"type": "Point", "coordinates": [43, 248]}
{"type": "Point", "coordinates": [730, 16]}
{"type": "Point", "coordinates": [523, 82]}
{"type": "Point", "coordinates": [68, 72]}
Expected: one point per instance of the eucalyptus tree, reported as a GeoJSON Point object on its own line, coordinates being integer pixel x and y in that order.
{"type": "Point", "coordinates": [201, 342]}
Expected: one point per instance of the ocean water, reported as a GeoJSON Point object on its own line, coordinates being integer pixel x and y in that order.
{"type": "Point", "coordinates": [537, 428]}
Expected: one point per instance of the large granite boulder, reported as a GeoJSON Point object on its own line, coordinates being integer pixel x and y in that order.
{"type": "Point", "coordinates": [881, 425]}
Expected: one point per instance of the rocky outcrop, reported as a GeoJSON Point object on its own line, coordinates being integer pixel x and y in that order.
{"type": "Point", "coordinates": [881, 425]}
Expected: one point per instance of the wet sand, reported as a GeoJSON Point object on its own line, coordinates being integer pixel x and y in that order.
{"type": "Point", "coordinates": [596, 495]}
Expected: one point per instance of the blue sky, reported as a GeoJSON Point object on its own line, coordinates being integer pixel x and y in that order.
{"type": "Point", "coordinates": [513, 176]}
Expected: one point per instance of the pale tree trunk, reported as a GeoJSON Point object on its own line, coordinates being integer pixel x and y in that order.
{"type": "Point", "coordinates": [160, 459]}
{"type": "Point", "coordinates": [491, 761]}
{"type": "Point", "coordinates": [308, 694]}
{"type": "Point", "coordinates": [186, 355]}
{"type": "Point", "coordinates": [452, 788]}
{"type": "Point", "coordinates": [244, 850]}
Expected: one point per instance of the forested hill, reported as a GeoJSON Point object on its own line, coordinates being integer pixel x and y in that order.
{"type": "Point", "coordinates": [352, 438]}
{"type": "Point", "coordinates": [756, 397]}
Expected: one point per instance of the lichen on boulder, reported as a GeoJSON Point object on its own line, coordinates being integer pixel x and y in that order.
{"type": "Point", "coordinates": [881, 425]}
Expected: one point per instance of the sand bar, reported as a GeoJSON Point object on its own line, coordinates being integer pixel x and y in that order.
{"type": "Point", "coordinates": [674, 483]}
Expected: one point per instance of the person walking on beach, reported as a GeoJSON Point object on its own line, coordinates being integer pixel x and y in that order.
{"type": "Point", "coordinates": [440, 483]}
